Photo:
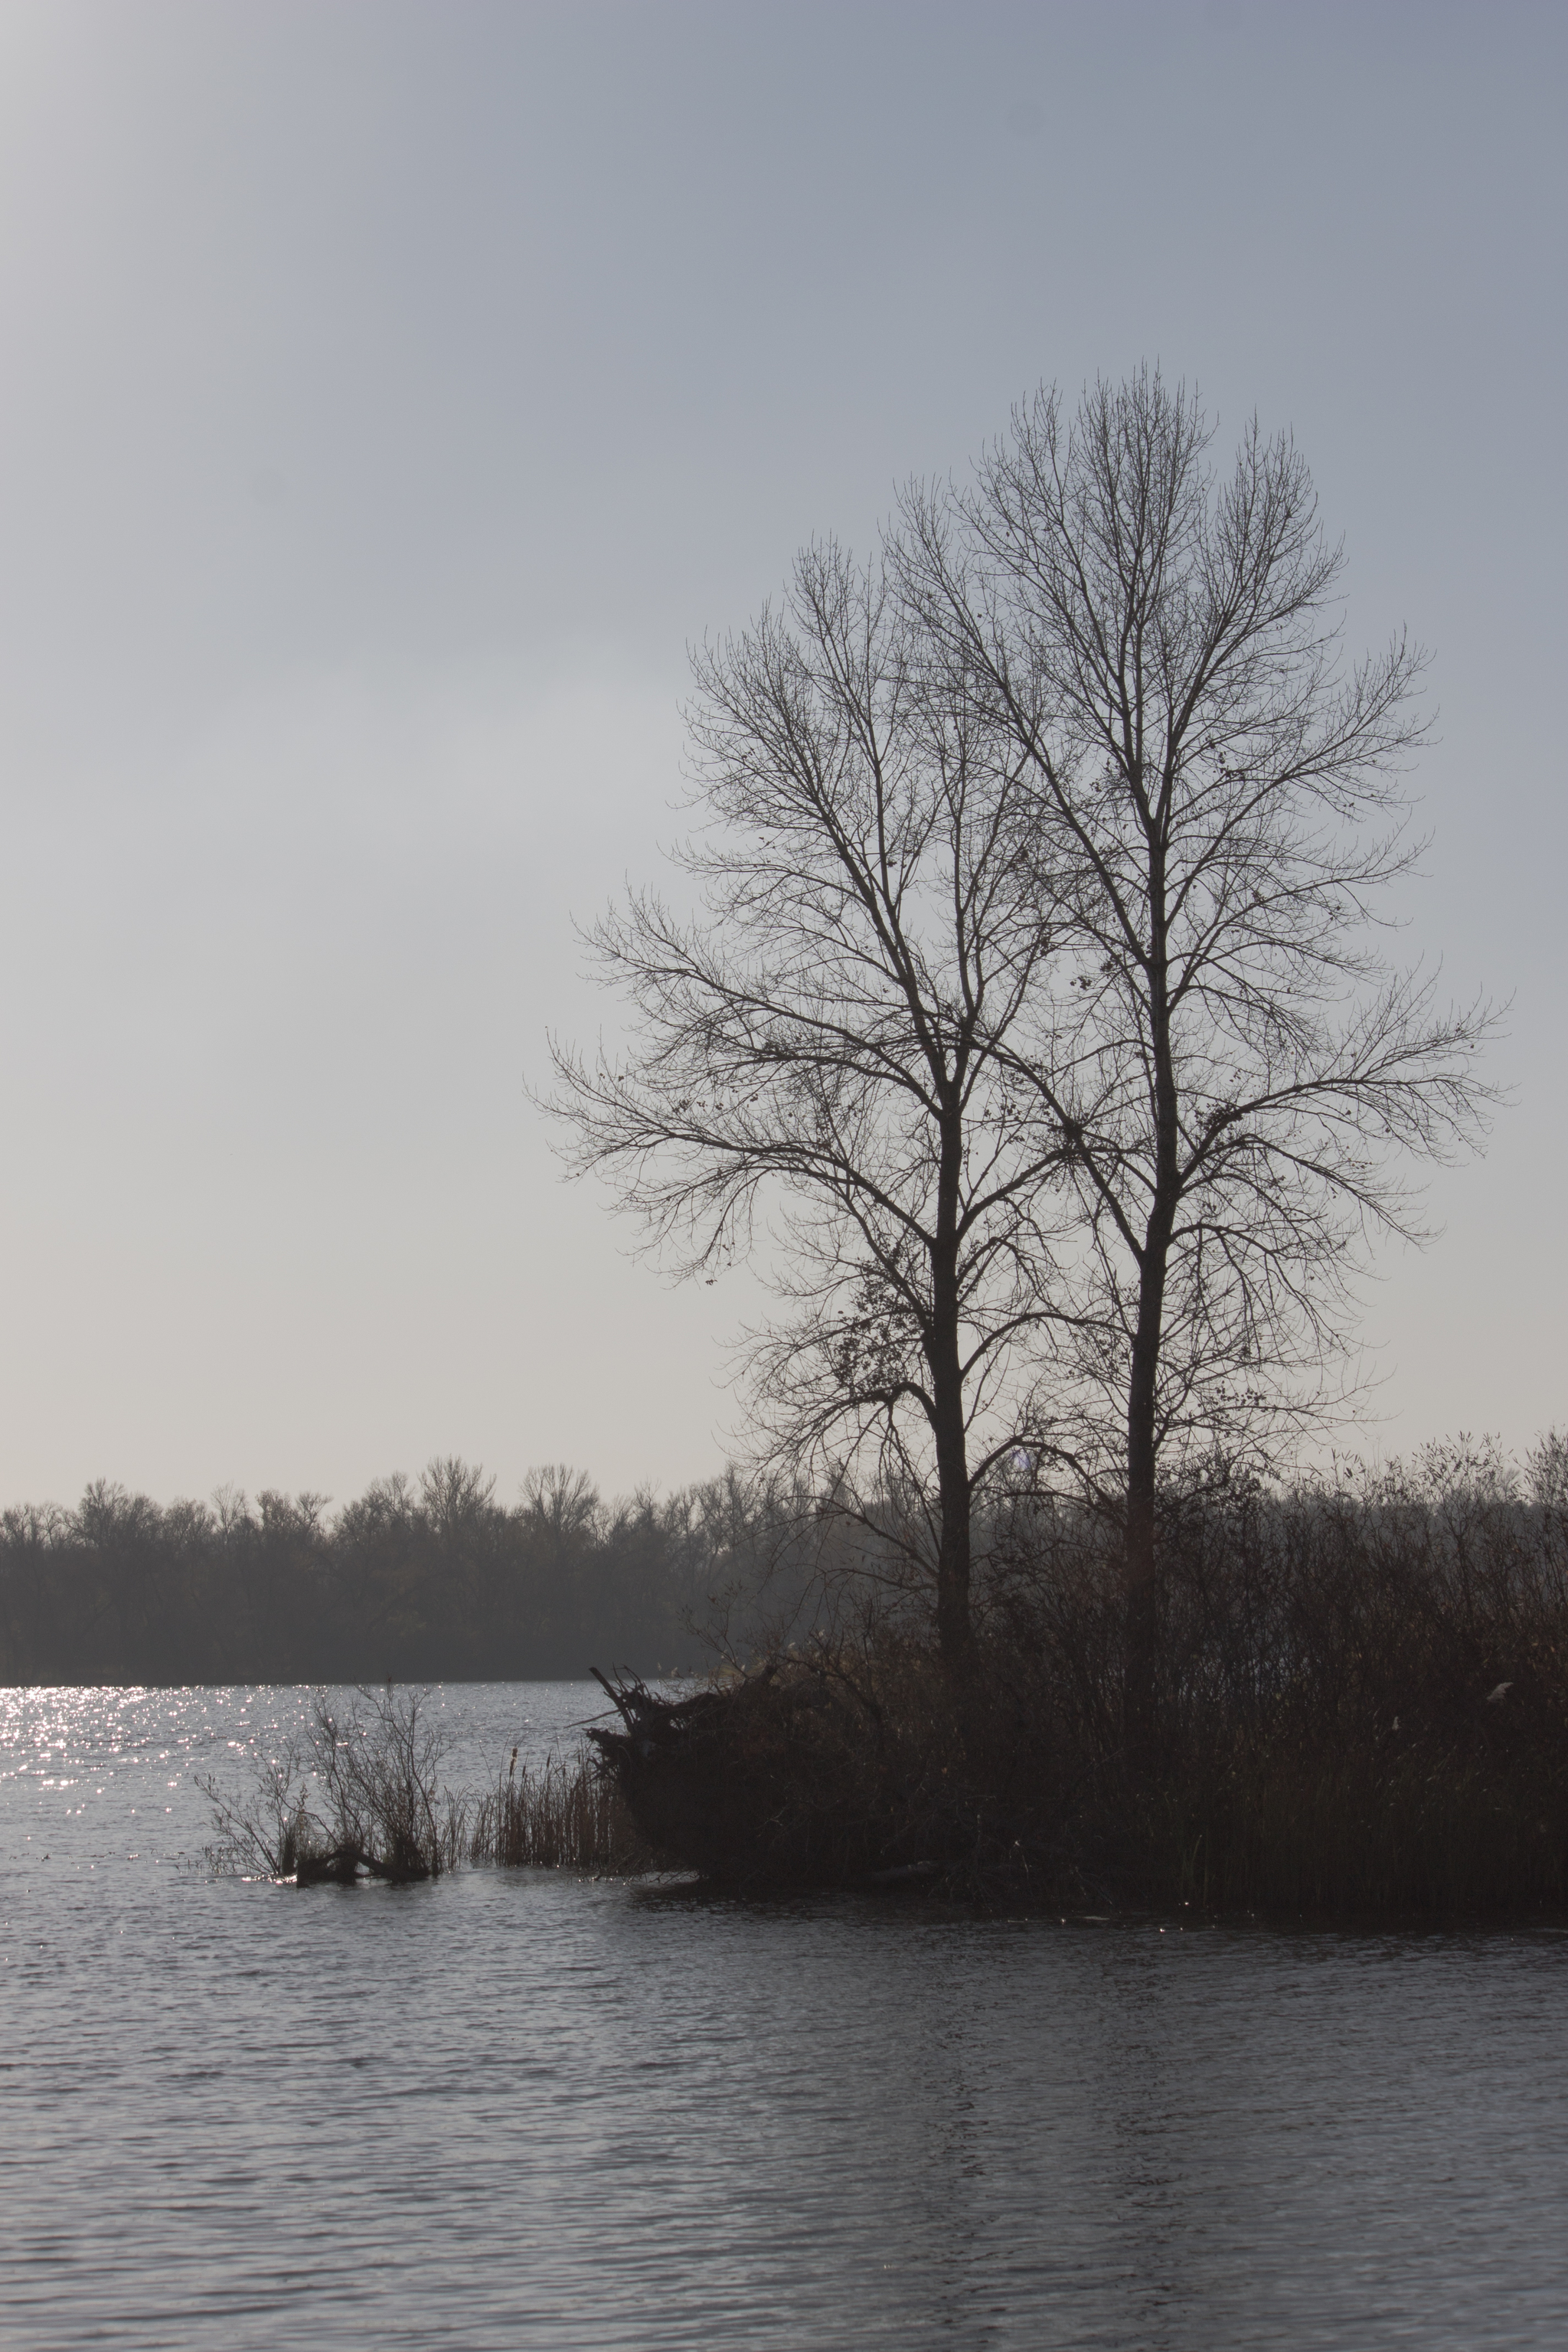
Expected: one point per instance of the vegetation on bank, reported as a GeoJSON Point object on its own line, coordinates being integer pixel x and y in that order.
{"type": "Point", "coordinates": [565, 1813]}
{"type": "Point", "coordinates": [1362, 1709]}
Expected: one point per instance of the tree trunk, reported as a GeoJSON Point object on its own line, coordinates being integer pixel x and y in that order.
{"type": "Point", "coordinates": [954, 1630]}
{"type": "Point", "coordinates": [956, 1635]}
{"type": "Point", "coordinates": [1140, 1591]}
{"type": "Point", "coordinates": [1141, 1568]}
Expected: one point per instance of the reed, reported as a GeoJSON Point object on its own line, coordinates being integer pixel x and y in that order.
{"type": "Point", "coordinates": [566, 1813]}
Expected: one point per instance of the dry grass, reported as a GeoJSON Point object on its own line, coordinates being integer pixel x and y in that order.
{"type": "Point", "coordinates": [1362, 1712]}
{"type": "Point", "coordinates": [566, 1814]}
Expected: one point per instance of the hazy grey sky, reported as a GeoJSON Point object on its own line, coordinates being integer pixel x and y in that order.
{"type": "Point", "coordinates": [391, 394]}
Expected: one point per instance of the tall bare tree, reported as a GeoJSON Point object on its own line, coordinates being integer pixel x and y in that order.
{"type": "Point", "coordinates": [1238, 1074]}
{"type": "Point", "coordinates": [826, 1057]}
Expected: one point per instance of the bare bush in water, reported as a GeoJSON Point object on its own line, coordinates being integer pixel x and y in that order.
{"type": "Point", "coordinates": [355, 1793]}
{"type": "Point", "coordinates": [362, 1794]}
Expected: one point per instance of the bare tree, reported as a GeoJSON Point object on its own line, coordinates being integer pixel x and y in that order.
{"type": "Point", "coordinates": [826, 1058]}
{"type": "Point", "coordinates": [560, 1503]}
{"type": "Point", "coordinates": [1217, 818]}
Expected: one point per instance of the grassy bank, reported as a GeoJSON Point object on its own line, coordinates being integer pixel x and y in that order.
{"type": "Point", "coordinates": [1363, 1711]}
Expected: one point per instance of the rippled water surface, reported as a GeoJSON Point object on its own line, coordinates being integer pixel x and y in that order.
{"type": "Point", "coordinates": [520, 2108]}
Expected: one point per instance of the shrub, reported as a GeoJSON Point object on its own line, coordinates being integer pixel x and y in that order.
{"type": "Point", "coordinates": [1362, 1707]}
{"type": "Point", "coordinates": [357, 1793]}
{"type": "Point", "coordinates": [363, 1795]}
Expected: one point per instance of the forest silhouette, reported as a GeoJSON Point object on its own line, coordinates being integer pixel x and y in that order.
{"type": "Point", "coordinates": [433, 1579]}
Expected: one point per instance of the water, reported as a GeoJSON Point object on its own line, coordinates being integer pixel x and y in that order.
{"type": "Point", "coordinates": [521, 2109]}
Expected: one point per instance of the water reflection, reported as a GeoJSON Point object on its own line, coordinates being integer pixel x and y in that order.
{"type": "Point", "coordinates": [521, 2109]}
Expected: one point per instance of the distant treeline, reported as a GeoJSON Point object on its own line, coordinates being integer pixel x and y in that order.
{"type": "Point", "coordinates": [433, 1580]}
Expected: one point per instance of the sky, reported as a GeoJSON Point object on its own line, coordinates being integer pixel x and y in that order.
{"type": "Point", "coordinates": [393, 393]}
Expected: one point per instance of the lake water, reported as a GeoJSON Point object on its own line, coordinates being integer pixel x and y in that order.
{"type": "Point", "coordinates": [521, 2108]}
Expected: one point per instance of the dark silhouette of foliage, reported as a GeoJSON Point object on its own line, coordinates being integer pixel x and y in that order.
{"type": "Point", "coordinates": [418, 1581]}
{"type": "Point", "coordinates": [1360, 1709]}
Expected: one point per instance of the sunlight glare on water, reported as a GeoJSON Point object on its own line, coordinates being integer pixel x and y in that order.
{"type": "Point", "coordinates": [522, 2108]}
